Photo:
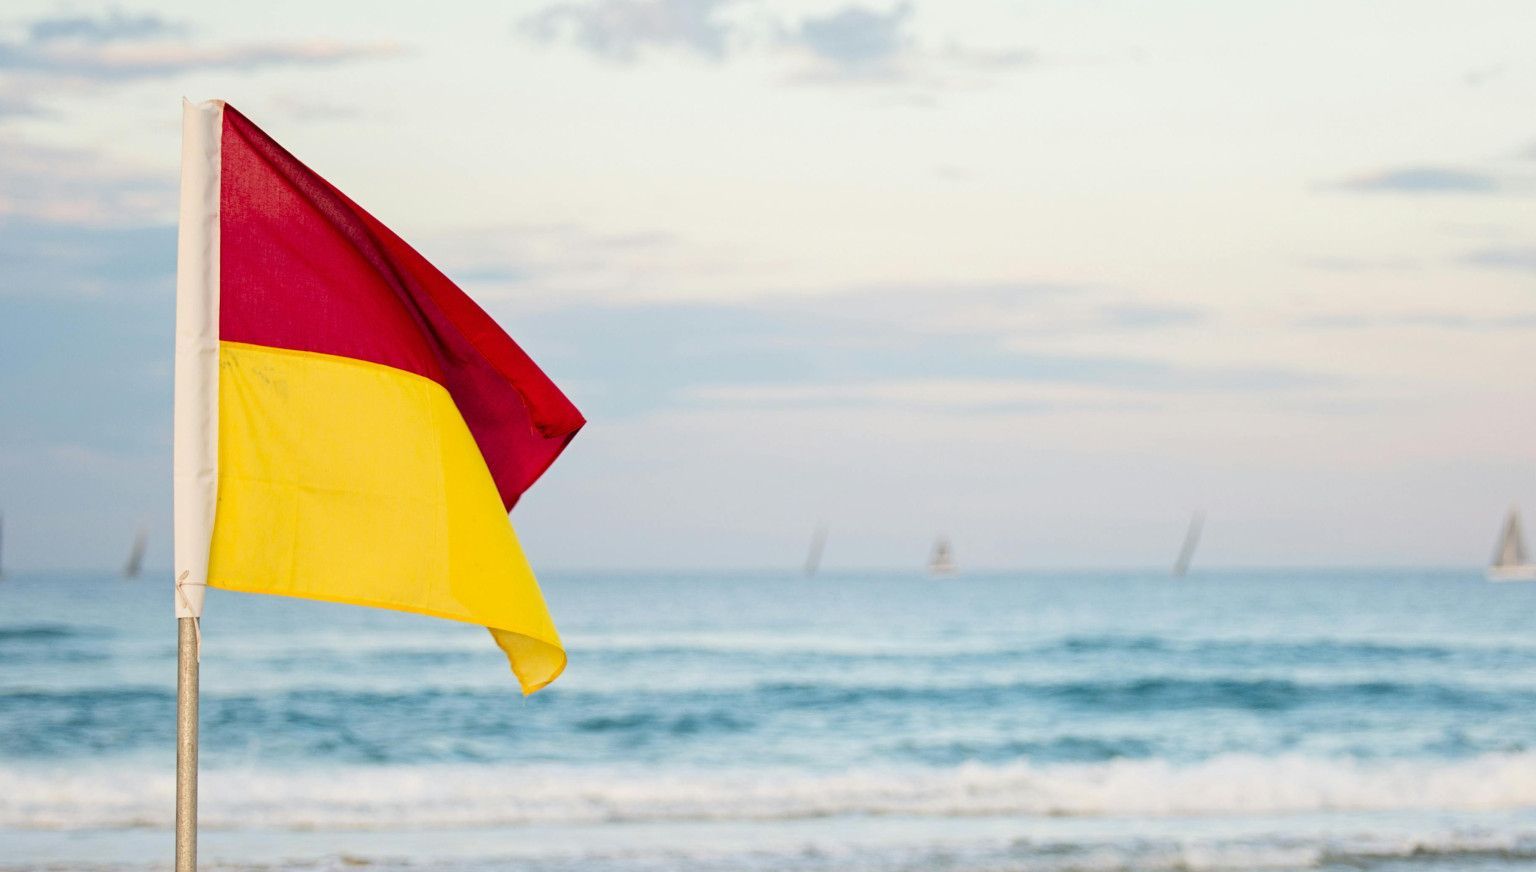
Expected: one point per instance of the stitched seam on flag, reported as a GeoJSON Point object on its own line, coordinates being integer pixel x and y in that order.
{"type": "Point", "coordinates": [342, 359]}
{"type": "Point", "coordinates": [370, 364]}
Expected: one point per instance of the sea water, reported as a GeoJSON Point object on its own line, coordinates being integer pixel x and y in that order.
{"type": "Point", "coordinates": [1273, 719]}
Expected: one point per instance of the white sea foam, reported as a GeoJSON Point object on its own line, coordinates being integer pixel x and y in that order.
{"type": "Point", "coordinates": [461, 795]}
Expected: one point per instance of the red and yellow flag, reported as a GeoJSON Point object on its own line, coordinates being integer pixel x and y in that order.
{"type": "Point", "coordinates": [350, 426]}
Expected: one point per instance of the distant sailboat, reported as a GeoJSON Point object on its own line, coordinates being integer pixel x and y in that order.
{"type": "Point", "coordinates": [1191, 541]}
{"type": "Point", "coordinates": [818, 545]}
{"type": "Point", "coordinates": [135, 562]}
{"type": "Point", "coordinates": [943, 560]}
{"type": "Point", "coordinates": [1510, 562]}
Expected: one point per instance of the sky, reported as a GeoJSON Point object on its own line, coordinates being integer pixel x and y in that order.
{"type": "Point", "coordinates": [1046, 278]}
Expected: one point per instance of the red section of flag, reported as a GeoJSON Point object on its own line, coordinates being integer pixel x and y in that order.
{"type": "Point", "coordinates": [303, 267]}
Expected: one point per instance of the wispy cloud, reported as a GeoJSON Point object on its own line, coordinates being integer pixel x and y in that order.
{"type": "Point", "coordinates": [74, 223]}
{"type": "Point", "coordinates": [1361, 264]}
{"type": "Point", "coordinates": [1146, 315]}
{"type": "Point", "coordinates": [621, 30]}
{"type": "Point", "coordinates": [1480, 76]}
{"type": "Point", "coordinates": [856, 42]}
{"type": "Point", "coordinates": [56, 261]}
{"type": "Point", "coordinates": [985, 60]}
{"type": "Point", "coordinates": [16, 103]}
{"type": "Point", "coordinates": [311, 108]}
{"type": "Point", "coordinates": [52, 185]}
{"type": "Point", "coordinates": [537, 265]}
{"type": "Point", "coordinates": [1516, 258]}
{"type": "Point", "coordinates": [853, 44]}
{"type": "Point", "coordinates": [115, 25]}
{"type": "Point", "coordinates": [862, 45]}
{"type": "Point", "coordinates": [1454, 321]}
{"type": "Point", "coordinates": [1424, 180]}
{"type": "Point", "coordinates": [873, 342]}
{"type": "Point", "coordinates": [108, 62]}
{"type": "Point", "coordinates": [120, 47]}
{"type": "Point", "coordinates": [938, 395]}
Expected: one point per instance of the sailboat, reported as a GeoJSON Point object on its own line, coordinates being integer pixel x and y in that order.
{"type": "Point", "coordinates": [136, 555]}
{"type": "Point", "coordinates": [1191, 541]}
{"type": "Point", "coordinates": [942, 562]}
{"type": "Point", "coordinates": [1510, 562]}
{"type": "Point", "coordinates": [818, 545]}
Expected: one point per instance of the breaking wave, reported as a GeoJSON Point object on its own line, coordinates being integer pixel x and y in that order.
{"type": "Point", "coordinates": [475, 796]}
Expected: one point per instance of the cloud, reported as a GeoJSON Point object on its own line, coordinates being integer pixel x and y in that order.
{"type": "Point", "coordinates": [540, 264]}
{"type": "Point", "coordinates": [1424, 180]}
{"type": "Point", "coordinates": [18, 104]}
{"type": "Point", "coordinates": [90, 62]}
{"type": "Point", "coordinates": [944, 395]}
{"type": "Point", "coordinates": [621, 30]}
{"type": "Point", "coordinates": [543, 265]}
{"type": "Point", "coordinates": [1361, 264]}
{"type": "Point", "coordinates": [1454, 321]}
{"type": "Point", "coordinates": [1515, 258]}
{"type": "Point", "coordinates": [52, 185]}
{"type": "Point", "coordinates": [1480, 76]}
{"type": "Point", "coordinates": [74, 224]}
{"type": "Point", "coordinates": [863, 45]}
{"type": "Point", "coordinates": [987, 60]}
{"type": "Point", "coordinates": [851, 44]}
{"type": "Point", "coordinates": [53, 261]}
{"type": "Point", "coordinates": [1141, 315]}
{"type": "Point", "coordinates": [119, 47]}
{"type": "Point", "coordinates": [310, 108]}
{"type": "Point", "coordinates": [639, 359]}
{"type": "Point", "coordinates": [857, 42]}
{"type": "Point", "coordinates": [114, 26]}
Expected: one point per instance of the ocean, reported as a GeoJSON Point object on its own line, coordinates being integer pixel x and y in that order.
{"type": "Point", "coordinates": [1277, 719]}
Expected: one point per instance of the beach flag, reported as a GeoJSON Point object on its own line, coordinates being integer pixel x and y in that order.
{"type": "Point", "coordinates": [349, 425]}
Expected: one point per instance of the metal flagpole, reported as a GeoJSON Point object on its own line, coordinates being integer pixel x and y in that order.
{"type": "Point", "coordinates": [194, 466]}
{"type": "Point", "coordinates": [186, 745]}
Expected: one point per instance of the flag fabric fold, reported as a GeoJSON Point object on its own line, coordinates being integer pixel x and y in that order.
{"type": "Point", "coordinates": [361, 425]}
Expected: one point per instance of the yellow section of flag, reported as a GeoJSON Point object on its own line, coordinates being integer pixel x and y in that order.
{"type": "Point", "coordinates": [355, 482]}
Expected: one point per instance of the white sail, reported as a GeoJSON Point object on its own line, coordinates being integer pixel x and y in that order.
{"type": "Point", "coordinates": [818, 544]}
{"type": "Point", "coordinates": [1510, 562]}
{"type": "Point", "coordinates": [1191, 541]}
{"type": "Point", "coordinates": [1511, 550]}
{"type": "Point", "coordinates": [942, 562]}
{"type": "Point", "coordinates": [135, 562]}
